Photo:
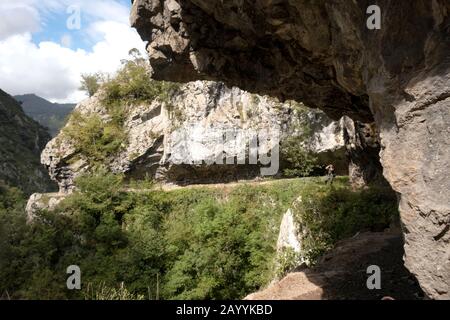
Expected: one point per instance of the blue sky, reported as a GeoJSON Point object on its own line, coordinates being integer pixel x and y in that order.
{"type": "Point", "coordinates": [54, 26]}
{"type": "Point", "coordinates": [54, 29]}
{"type": "Point", "coordinates": [45, 45]}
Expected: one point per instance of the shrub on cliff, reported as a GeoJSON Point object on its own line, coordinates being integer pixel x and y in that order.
{"type": "Point", "coordinates": [91, 83]}
{"type": "Point", "coordinates": [93, 137]}
{"type": "Point", "coordinates": [132, 84]}
{"type": "Point", "coordinates": [96, 138]}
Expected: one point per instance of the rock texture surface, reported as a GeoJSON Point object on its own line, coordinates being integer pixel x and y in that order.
{"type": "Point", "coordinates": [287, 237]}
{"type": "Point", "coordinates": [178, 141]}
{"type": "Point", "coordinates": [40, 201]}
{"type": "Point", "coordinates": [322, 53]}
{"type": "Point", "coordinates": [21, 142]}
{"type": "Point", "coordinates": [339, 275]}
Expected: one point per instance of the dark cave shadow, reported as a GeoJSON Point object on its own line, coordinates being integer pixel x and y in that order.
{"type": "Point", "coordinates": [350, 281]}
{"type": "Point", "coordinates": [370, 215]}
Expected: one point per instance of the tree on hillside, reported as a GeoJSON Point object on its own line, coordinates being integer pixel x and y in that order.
{"type": "Point", "coordinates": [301, 162]}
{"type": "Point", "coordinates": [91, 83]}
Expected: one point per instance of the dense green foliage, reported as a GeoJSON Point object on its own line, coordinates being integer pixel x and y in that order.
{"type": "Point", "coordinates": [341, 213]}
{"type": "Point", "coordinates": [132, 84]}
{"type": "Point", "coordinates": [93, 137]}
{"type": "Point", "coordinates": [21, 142]}
{"type": "Point", "coordinates": [26, 251]}
{"type": "Point", "coordinates": [301, 163]}
{"type": "Point", "coordinates": [195, 243]}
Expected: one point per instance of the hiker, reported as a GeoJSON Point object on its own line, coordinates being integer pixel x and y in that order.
{"type": "Point", "coordinates": [330, 174]}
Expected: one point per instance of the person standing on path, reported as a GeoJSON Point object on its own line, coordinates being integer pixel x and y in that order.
{"type": "Point", "coordinates": [330, 174]}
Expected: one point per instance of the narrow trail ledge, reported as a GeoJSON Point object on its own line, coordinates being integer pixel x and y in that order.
{"type": "Point", "coordinates": [321, 53]}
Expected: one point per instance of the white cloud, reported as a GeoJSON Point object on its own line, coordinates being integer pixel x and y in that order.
{"type": "Point", "coordinates": [52, 70]}
{"type": "Point", "coordinates": [17, 18]}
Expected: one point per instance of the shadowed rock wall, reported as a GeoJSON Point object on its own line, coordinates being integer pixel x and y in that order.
{"type": "Point", "coordinates": [321, 53]}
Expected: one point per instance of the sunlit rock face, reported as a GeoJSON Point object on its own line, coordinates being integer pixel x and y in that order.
{"type": "Point", "coordinates": [204, 135]}
{"type": "Point", "coordinates": [322, 53]}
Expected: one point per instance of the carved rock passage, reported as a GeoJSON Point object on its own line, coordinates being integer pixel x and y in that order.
{"type": "Point", "coordinates": [321, 52]}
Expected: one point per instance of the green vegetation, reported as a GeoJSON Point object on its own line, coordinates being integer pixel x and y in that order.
{"type": "Point", "coordinates": [301, 163]}
{"type": "Point", "coordinates": [133, 85]}
{"type": "Point", "coordinates": [103, 292]}
{"type": "Point", "coordinates": [287, 260]}
{"type": "Point", "coordinates": [198, 243]}
{"type": "Point", "coordinates": [96, 138]}
{"type": "Point", "coordinates": [294, 149]}
{"type": "Point", "coordinates": [192, 243]}
{"type": "Point", "coordinates": [21, 142]}
{"type": "Point", "coordinates": [329, 215]}
{"type": "Point", "coordinates": [91, 83]}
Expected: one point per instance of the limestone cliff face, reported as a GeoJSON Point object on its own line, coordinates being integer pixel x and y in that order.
{"type": "Point", "coordinates": [177, 141]}
{"type": "Point", "coordinates": [322, 53]}
{"type": "Point", "coordinates": [21, 142]}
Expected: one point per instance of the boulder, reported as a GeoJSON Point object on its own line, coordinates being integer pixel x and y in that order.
{"type": "Point", "coordinates": [42, 201]}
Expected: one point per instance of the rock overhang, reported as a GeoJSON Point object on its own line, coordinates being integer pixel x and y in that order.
{"type": "Point", "coordinates": [323, 54]}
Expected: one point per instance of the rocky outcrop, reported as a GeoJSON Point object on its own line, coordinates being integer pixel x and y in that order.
{"type": "Point", "coordinates": [178, 141]}
{"type": "Point", "coordinates": [287, 237]}
{"type": "Point", "coordinates": [39, 201]}
{"type": "Point", "coordinates": [362, 148]}
{"type": "Point", "coordinates": [21, 142]}
{"type": "Point", "coordinates": [323, 54]}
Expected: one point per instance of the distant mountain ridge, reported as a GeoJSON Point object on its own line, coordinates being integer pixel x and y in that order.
{"type": "Point", "coordinates": [21, 142]}
{"type": "Point", "coordinates": [51, 115]}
